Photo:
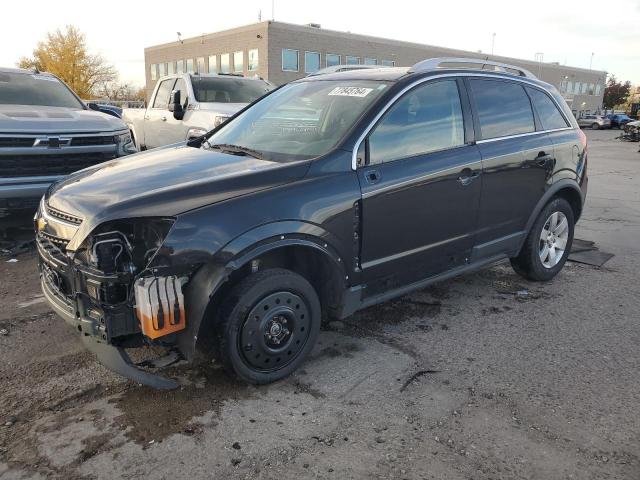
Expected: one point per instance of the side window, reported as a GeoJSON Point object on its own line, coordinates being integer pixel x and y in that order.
{"type": "Point", "coordinates": [181, 86]}
{"type": "Point", "coordinates": [503, 108]}
{"type": "Point", "coordinates": [426, 119]}
{"type": "Point", "coordinates": [162, 97]}
{"type": "Point", "coordinates": [549, 115]}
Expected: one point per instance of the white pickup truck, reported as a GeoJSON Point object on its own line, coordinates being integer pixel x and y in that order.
{"type": "Point", "coordinates": [186, 106]}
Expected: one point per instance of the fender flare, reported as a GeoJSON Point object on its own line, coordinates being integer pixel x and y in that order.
{"type": "Point", "coordinates": [550, 193]}
{"type": "Point", "coordinates": [138, 141]}
{"type": "Point", "coordinates": [210, 277]}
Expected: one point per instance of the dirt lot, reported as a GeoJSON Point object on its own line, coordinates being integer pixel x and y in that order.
{"type": "Point", "coordinates": [486, 376]}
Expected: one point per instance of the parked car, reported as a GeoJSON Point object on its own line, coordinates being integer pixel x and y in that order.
{"type": "Point", "coordinates": [595, 122]}
{"type": "Point", "coordinates": [104, 108]}
{"type": "Point", "coordinates": [328, 195]}
{"type": "Point", "coordinates": [619, 120]}
{"type": "Point", "coordinates": [188, 105]}
{"type": "Point", "coordinates": [47, 132]}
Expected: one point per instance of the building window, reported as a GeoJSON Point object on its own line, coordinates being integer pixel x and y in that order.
{"type": "Point", "coordinates": [162, 70]}
{"type": "Point", "coordinates": [213, 64]}
{"type": "Point", "coordinates": [171, 68]}
{"type": "Point", "coordinates": [180, 66]}
{"type": "Point", "coordinates": [238, 61]}
{"type": "Point", "coordinates": [225, 63]}
{"type": "Point", "coordinates": [598, 89]}
{"type": "Point", "coordinates": [569, 88]}
{"type": "Point", "coordinates": [311, 62]}
{"type": "Point", "coordinates": [584, 87]}
{"type": "Point", "coordinates": [332, 60]}
{"type": "Point", "coordinates": [592, 88]}
{"type": "Point", "coordinates": [352, 60]}
{"type": "Point", "coordinates": [189, 65]}
{"type": "Point", "coordinates": [289, 60]}
{"type": "Point", "coordinates": [370, 61]}
{"type": "Point", "coordinates": [252, 61]}
{"type": "Point", "coordinates": [200, 65]}
{"type": "Point", "coordinates": [388, 63]}
{"type": "Point", "coordinates": [154, 71]}
{"type": "Point", "coordinates": [576, 87]}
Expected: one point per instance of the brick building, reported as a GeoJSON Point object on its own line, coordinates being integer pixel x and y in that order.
{"type": "Point", "coordinates": [283, 52]}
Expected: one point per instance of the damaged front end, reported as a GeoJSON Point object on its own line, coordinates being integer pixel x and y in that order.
{"type": "Point", "coordinates": [117, 289]}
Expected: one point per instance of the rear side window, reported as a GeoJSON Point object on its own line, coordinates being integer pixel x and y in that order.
{"type": "Point", "coordinates": [548, 113]}
{"type": "Point", "coordinates": [162, 97]}
{"type": "Point", "coordinates": [503, 108]}
{"type": "Point", "coordinates": [426, 119]}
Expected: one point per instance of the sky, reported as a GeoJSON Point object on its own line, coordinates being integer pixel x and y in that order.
{"type": "Point", "coordinates": [566, 31]}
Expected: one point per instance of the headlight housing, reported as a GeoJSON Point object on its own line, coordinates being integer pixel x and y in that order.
{"type": "Point", "coordinates": [124, 246]}
{"type": "Point", "coordinates": [125, 144]}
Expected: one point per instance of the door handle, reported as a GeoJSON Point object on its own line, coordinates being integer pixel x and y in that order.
{"type": "Point", "coordinates": [542, 159]}
{"type": "Point", "coordinates": [467, 176]}
{"type": "Point", "coordinates": [163, 118]}
{"type": "Point", "coordinates": [372, 176]}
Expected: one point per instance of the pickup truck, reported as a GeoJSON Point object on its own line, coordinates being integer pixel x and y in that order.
{"type": "Point", "coordinates": [186, 106]}
{"type": "Point", "coordinates": [46, 133]}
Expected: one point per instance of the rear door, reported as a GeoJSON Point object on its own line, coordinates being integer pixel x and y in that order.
{"type": "Point", "coordinates": [517, 163]}
{"type": "Point", "coordinates": [156, 128]}
{"type": "Point", "coordinates": [420, 187]}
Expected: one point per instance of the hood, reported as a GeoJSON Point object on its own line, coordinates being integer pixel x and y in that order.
{"type": "Point", "coordinates": [163, 182]}
{"type": "Point", "coordinates": [27, 119]}
{"type": "Point", "coordinates": [222, 108]}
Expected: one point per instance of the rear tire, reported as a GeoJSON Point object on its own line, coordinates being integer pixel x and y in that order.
{"type": "Point", "coordinates": [548, 244]}
{"type": "Point", "coordinates": [595, 126]}
{"type": "Point", "coordinates": [267, 325]}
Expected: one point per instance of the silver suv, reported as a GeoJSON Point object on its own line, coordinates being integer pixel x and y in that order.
{"type": "Point", "coordinates": [595, 122]}
{"type": "Point", "coordinates": [47, 132]}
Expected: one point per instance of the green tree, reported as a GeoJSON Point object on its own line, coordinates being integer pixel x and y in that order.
{"type": "Point", "coordinates": [615, 93]}
{"type": "Point", "coordinates": [65, 54]}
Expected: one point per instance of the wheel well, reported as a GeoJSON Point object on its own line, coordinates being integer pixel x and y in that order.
{"type": "Point", "coordinates": [574, 199]}
{"type": "Point", "coordinates": [314, 265]}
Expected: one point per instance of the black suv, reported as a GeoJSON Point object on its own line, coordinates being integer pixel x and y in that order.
{"type": "Point", "coordinates": [327, 195]}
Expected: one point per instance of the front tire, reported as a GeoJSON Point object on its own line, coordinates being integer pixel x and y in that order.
{"type": "Point", "coordinates": [548, 244]}
{"type": "Point", "coordinates": [595, 126]}
{"type": "Point", "coordinates": [267, 325]}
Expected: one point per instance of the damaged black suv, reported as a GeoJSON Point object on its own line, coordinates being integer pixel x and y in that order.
{"type": "Point", "coordinates": [325, 196]}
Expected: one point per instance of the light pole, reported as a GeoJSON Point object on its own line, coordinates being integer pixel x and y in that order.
{"type": "Point", "coordinates": [493, 42]}
{"type": "Point", "coordinates": [591, 61]}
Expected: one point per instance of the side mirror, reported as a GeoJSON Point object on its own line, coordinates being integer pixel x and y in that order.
{"type": "Point", "coordinates": [175, 105]}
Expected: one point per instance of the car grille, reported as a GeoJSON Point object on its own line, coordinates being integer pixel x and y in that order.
{"type": "Point", "coordinates": [12, 142]}
{"type": "Point", "coordinates": [89, 141]}
{"type": "Point", "coordinates": [57, 164]}
{"type": "Point", "coordinates": [57, 242]}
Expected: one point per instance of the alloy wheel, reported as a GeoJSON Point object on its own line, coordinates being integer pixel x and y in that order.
{"type": "Point", "coordinates": [553, 239]}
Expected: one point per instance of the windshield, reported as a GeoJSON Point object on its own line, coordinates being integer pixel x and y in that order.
{"type": "Point", "coordinates": [229, 89]}
{"type": "Point", "coordinates": [35, 89]}
{"type": "Point", "coordinates": [301, 120]}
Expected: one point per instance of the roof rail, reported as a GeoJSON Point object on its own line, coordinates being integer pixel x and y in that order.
{"type": "Point", "coordinates": [435, 63]}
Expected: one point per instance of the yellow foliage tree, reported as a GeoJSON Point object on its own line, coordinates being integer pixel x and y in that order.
{"type": "Point", "coordinates": [65, 54]}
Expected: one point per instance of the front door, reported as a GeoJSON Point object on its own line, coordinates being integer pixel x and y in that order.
{"type": "Point", "coordinates": [420, 188]}
{"type": "Point", "coordinates": [156, 128]}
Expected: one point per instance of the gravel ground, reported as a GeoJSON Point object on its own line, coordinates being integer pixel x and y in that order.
{"type": "Point", "coordinates": [467, 379]}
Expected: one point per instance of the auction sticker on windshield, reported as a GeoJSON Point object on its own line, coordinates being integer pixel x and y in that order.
{"type": "Point", "coordinates": [351, 91]}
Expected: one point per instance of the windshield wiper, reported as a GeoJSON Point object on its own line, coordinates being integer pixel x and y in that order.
{"type": "Point", "coordinates": [237, 150]}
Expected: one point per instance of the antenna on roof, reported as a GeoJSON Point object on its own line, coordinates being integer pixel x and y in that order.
{"type": "Point", "coordinates": [273, 10]}
{"type": "Point", "coordinates": [260, 15]}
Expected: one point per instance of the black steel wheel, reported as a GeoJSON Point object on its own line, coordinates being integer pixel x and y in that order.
{"type": "Point", "coordinates": [267, 325]}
